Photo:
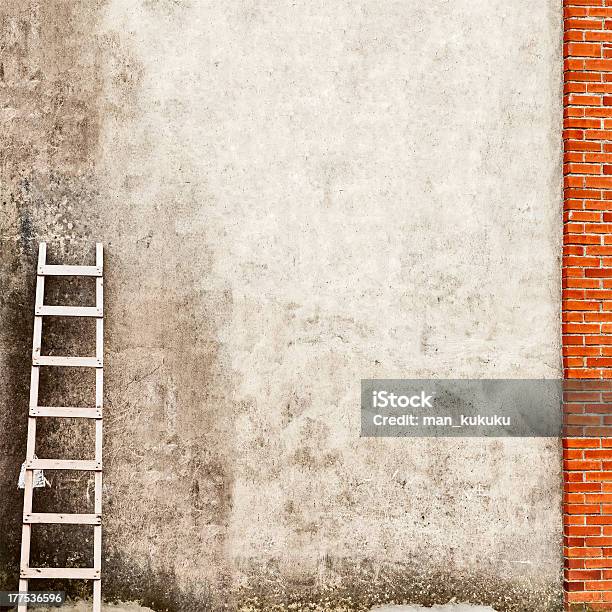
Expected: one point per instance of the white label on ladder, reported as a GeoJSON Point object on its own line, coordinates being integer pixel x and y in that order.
{"type": "Point", "coordinates": [39, 480]}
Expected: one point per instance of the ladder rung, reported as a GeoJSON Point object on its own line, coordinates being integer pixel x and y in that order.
{"type": "Point", "coordinates": [82, 573]}
{"type": "Point", "coordinates": [68, 311]}
{"type": "Point", "coordinates": [68, 519]}
{"type": "Point", "coordinates": [52, 270]}
{"type": "Point", "coordinates": [65, 412]}
{"type": "Point", "coordinates": [84, 362]}
{"type": "Point", "coordinates": [64, 464]}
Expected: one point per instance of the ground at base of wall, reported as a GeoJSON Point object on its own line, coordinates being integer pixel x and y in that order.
{"type": "Point", "coordinates": [446, 608]}
{"type": "Point", "coordinates": [85, 606]}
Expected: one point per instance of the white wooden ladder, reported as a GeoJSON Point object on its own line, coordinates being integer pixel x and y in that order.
{"type": "Point", "coordinates": [36, 411]}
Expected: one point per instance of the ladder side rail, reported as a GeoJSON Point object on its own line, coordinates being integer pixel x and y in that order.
{"type": "Point", "coordinates": [26, 529]}
{"type": "Point", "coordinates": [97, 585]}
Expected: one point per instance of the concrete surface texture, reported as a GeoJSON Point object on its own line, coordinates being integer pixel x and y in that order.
{"type": "Point", "coordinates": [292, 197]}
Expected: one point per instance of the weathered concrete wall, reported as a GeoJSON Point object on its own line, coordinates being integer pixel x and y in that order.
{"type": "Point", "coordinates": [293, 196]}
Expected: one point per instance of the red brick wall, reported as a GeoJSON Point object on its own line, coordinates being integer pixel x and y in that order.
{"type": "Point", "coordinates": [587, 294]}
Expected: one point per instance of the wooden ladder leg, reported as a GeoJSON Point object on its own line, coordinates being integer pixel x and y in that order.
{"type": "Point", "coordinates": [97, 585]}
{"type": "Point", "coordinates": [97, 595]}
{"type": "Point", "coordinates": [26, 529]}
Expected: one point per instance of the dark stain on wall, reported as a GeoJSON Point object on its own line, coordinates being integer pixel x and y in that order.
{"type": "Point", "coordinates": [48, 94]}
{"type": "Point", "coordinates": [51, 87]}
{"type": "Point", "coordinates": [359, 586]}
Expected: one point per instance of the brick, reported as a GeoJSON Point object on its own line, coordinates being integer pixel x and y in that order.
{"type": "Point", "coordinates": [583, 24]}
{"type": "Point", "coordinates": [601, 182]}
{"type": "Point", "coordinates": [579, 145]}
{"type": "Point", "coordinates": [598, 454]}
{"type": "Point", "coordinates": [583, 3]}
{"type": "Point", "coordinates": [581, 509]}
{"type": "Point", "coordinates": [581, 328]}
{"type": "Point", "coordinates": [573, 586]}
{"type": "Point", "coordinates": [602, 317]}
{"type": "Point", "coordinates": [596, 273]}
{"type": "Point", "coordinates": [572, 249]}
{"type": "Point", "coordinates": [570, 542]}
{"type": "Point", "coordinates": [579, 215]}
{"type": "Point", "coordinates": [600, 340]}
{"type": "Point", "coordinates": [581, 283]}
{"type": "Point", "coordinates": [582, 444]}
{"type": "Point", "coordinates": [597, 205]}
{"type": "Point", "coordinates": [580, 76]}
{"type": "Point", "coordinates": [582, 262]}
{"type": "Point", "coordinates": [583, 596]}
{"type": "Point", "coordinates": [599, 541]}
{"type": "Point", "coordinates": [574, 11]}
{"type": "Point", "coordinates": [584, 169]}
{"type": "Point", "coordinates": [583, 552]}
{"type": "Point", "coordinates": [586, 194]}
{"type": "Point", "coordinates": [599, 585]}
{"type": "Point", "coordinates": [583, 373]}
{"type": "Point", "coordinates": [586, 100]}
{"type": "Point", "coordinates": [584, 49]}
{"type": "Point", "coordinates": [593, 157]}
{"type": "Point", "coordinates": [592, 574]}
{"type": "Point", "coordinates": [595, 294]}
{"type": "Point", "coordinates": [584, 304]}
{"type": "Point", "coordinates": [581, 351]}
{"type": "Point", "coordinates": [576, 182]}
{"type": "Point", "coordinates": [598, 228]}
{"type": "Point", "coordinates": [595, 36]}
{"type": "Point", "coordinates": [599, 362]}
{"type": "Point", "coordinates": [597, 563]}
{"type": "Point", "coordinates": [602, 112]}
{"type": "Point", "coordinates": [579, 530]}
{"type": "Point", "coordinates": [599, 65]}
